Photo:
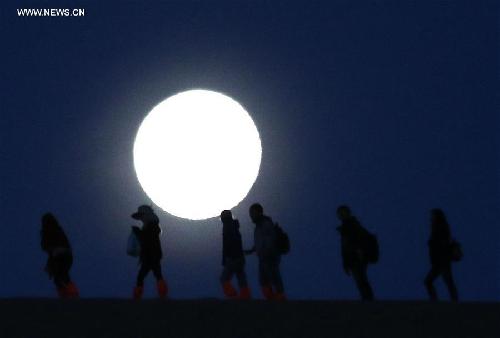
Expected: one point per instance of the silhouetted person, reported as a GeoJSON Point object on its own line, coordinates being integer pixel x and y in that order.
{"type": "Point", "coordinates": [268, 254]}
{"type": "Point", "coordinates": [55, 243]}
{"type": "Point", "coordinates": [233, 259]}
{"type": "Point", "coordinates": [440, 252]}
{"type": "Point", "coordinates": [151, 252]}
{"type": "Point", "coordinates": [354, 258]}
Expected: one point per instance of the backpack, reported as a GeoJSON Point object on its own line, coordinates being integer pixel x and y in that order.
{"type": "Point", "coordinates": [456, 251]}
{"type": "Point", "coordinates": [371, 248]}
{"type": "Point", "coordinates": [282, 240]}
{"type": "Point", "coordinates": [133, 245]}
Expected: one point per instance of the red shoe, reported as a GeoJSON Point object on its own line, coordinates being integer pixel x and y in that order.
{"type": "Point", "coordinates": [229, 291]}
{"type": "Point", "coordinates": [72, 291]}
{"type": "Point", "coordinates": [268, 293]}
{"type": "Point", "coordinates": [245, 293]}
{"type": "Point", "coordinates": [162, 287]}
{"type": "Point", "coordinates": [138, 291]}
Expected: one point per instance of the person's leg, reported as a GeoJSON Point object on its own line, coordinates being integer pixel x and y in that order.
{"type": "Point", "coordinates": [225, 275]}
{"type": "Point", "coordinates": [241, 276]}
{"type": "Point", "coordinates": [225, 279]}
{"type": "Point", "coordinates": [450, 283]}
{"type": "Point", "coordinates": [60, 287]}
{"type": "Point", "coordinates": [265, 279]}
{"type": "Point", "coordinates": [143, 272]}
{"type": "Point", "coordinates": [161, 284]}
{"type": "Point", "coordinates": [57, 272]}
{"type": "Point", "coordinates": [66, 279]}
{"type": "Point", "coordinates": [429, 282]}
{"type": "Point", "coordinates": [59, 283]}
{"type": "Point", "coordinates": [276, 279]}
{"type": "Point", "coordinates": [139, 286]}
{"type": "Point", "coordinates": [60, 276]}
{"type": "Point", "coordinates": [359, 273]}
{"type": "Point", "coordinates": [65, 266]}
{"type": "Point", "coordinates": [71, 289]}
{"type": "Point", "coordinates": [156, 268]}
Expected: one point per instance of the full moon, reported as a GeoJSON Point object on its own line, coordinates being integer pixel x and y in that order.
{"type": "Point", "coordinates": [197, 153]}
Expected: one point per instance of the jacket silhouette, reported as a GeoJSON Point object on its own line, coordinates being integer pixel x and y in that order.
{"type": "Point", "coordinates": [352, 236]}
{"type": "Point", "coordinates": [265, 238]}
{"type": "Point", "coordinates": [151, 251]}
{"type": "Point", "coordinates": [149, 237]}
{"type": "Point", "coordinates": [233, 259]}
{"type": "Point", "coordinates": [60, 257]}
{"type": "Point", "coordinates": [439, 243]}
{"type": "Point", "coordinates": [440, 255]}
{"type": "Point", "coordinates": [354, 257]}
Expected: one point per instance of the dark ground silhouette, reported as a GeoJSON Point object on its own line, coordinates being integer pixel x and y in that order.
{"type": "Point", "coordinates": [253, 319]}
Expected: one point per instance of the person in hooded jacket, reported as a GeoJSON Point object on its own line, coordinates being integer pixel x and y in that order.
{"type": "Point", "coordinates": [440, 255]}
{"type": "Point", "coordinates": [265, 247]}
{"type": "Point", "coordinates": [233, 259]}
{"type": "Point", "coordinates": [60, 257]}
{"type": "Point", "coordinates": [354, 259]}
{"type": "Point", "coordinates": [151, 251]}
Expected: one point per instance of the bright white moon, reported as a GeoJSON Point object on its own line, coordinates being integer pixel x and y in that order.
{"type": "Point", "coordinates": [197, 153]}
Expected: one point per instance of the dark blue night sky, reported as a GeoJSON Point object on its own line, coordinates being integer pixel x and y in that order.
{"type": "Point", "coordinates": [389, 106]}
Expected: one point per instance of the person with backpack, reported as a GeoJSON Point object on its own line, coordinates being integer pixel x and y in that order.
{"type": "Point", "coordinates": [358, 248]}
{"type": "Point", "coordinates": [233, 259]}
{"type": "Point", "coordinates": [442, 251]}
{"type": "Point", "coordinates": [267, 247]}
{"type": "Point", "coordinates": [150, 251]}
{"type": "Point", "coordinates": [60, 257]}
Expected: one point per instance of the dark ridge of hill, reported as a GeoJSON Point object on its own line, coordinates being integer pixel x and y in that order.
{"type": "Point", "coordinates": [255, 319]}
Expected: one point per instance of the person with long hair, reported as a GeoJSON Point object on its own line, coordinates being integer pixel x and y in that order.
{"type": "Point", "coordinates": [60, 257]}
{"type": "Point", "coordinates": [440, 253]}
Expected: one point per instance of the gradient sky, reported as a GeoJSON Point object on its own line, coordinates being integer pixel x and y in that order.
{"type": "Point", "coordinates": [389, 106]}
